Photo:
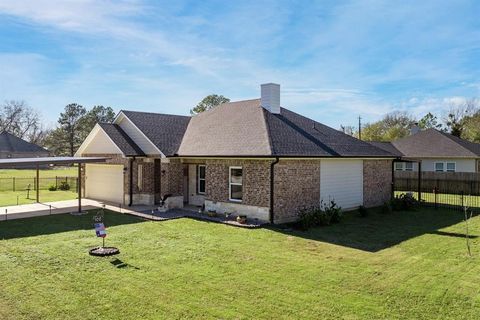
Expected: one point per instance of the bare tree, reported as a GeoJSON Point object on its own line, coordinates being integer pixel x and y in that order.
{"type": "Point", "coordinates": [19, 119]}
{"type": "Point", "coordinates": [455, 119]}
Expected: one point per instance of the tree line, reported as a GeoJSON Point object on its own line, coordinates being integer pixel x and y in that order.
{"type": "Point", "coordinates": [462, 120]}
{"type": "Point", "coordinates": [73, 125]}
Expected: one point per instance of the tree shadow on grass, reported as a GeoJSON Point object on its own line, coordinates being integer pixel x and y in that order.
{"type": "Point", "coordinates": [45, 225]}
{"type": "Point", "coordinates": [380, 231]}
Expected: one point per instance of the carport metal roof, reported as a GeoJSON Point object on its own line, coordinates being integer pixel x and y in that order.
{"type": "Point", "coordinates": [21, 162]}
{"type": "Point", "coordinates": [11, 163]}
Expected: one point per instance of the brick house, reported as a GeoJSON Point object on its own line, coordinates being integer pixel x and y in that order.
{"type": "Point", "coordinates": [248, 157]}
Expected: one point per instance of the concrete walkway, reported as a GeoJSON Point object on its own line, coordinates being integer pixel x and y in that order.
{"type": "Point", "coordinates": [66, 206]}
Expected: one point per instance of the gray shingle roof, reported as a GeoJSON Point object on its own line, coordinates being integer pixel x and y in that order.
{"type": "Point", "coordinates": [387, 146]}
{"type": "Point", "coordinates": [294, 135]}
{"type": "Point", "coordinates": [231, 129]}
{"type": "Point", "coordinates": [121, 139]}
{"type": "Point", "coordinates": [164, 130]}
{"type": "Point", "coordinates": [433, 143]}
{"type": "Point", "coordinates": [244, 128]}
{"type": "Point", "coordinates": [11, 143]}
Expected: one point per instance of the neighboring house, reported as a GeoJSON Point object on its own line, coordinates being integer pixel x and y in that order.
{"type": "Point", "coordinates": [437, 150]}
{"type": "Point", "coordinates": [14, 147]}
{"type": "Point", "coordinates": [248, 157]}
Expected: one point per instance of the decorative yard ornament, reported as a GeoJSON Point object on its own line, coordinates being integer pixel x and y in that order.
{"type": "Point", "coordinates": [101, 232]}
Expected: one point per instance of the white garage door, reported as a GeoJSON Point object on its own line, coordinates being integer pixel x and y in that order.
{"type": "Point", "coordinates": [342, 180]}
{"type": "Point", "coordinates": [104, 182]}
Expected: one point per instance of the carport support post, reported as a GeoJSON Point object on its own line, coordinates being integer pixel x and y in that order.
{"type": "Point", "coordinates": [37, 184]}
{"type": "Point", "coordinates": [79, 186]}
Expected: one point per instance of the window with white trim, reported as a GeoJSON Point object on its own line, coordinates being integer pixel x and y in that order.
{"type": "Point", "coordinates": [201, 179]}
{"type": "Point", "coordinates": [451, 166]}
{"type": "Point", "coordinates": [445, 166]}
{"type": "Point", "coordinates": [439, 166]}
{"type": "Point", "coordinates": [236, 183]}
{"type": "Point", "coordinates": [403, 166]}
{"type": "Point", "coordinates": [140, 177]}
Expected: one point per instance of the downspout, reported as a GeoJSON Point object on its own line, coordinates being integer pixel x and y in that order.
{"type": "Point", "coordinates": [272, 187]}
{"type": "Point", "coordinates": [130, 200]}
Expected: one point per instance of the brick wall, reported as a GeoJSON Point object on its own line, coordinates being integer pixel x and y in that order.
{"type": "Point", "coordinates": [377, 178]}
{"type": "Point", "coordinates": [172, 177]}
{"type": "Point", "coordinates": [297, 184]}
{"type": "Point", "coordinates": [256, 181]}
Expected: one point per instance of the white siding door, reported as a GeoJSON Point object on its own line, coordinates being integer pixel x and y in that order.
{"type": "Point", "coordinates": [342, 181]}
{"type": "Point", "coordinates": [104, 182]}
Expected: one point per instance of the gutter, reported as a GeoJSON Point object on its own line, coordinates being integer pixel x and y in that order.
{"type": "Point", "coordinates": [272, 188]}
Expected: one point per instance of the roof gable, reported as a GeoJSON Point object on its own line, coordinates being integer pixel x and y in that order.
{"type": "Point", "coordinates": [121, 139]}
{"type": "Point", "coordinates": [164, 131]}
{"type": "Point", "coordinates": [432, 143]}
{"type": "Point", "coordinates": [11, 143]}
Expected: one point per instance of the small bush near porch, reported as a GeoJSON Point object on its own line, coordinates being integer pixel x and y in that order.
{"type": "Point", "coordinates": [402, 265]}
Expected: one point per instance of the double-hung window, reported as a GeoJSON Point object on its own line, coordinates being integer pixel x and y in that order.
{"type": "Point", "coordinates": [445, 167]}
{"type": "Point", "coordinates": [398, 166]}
{"type": "Point", "coordinates": [403, 166]}
{"type": "Point", "coordinates": [201, 179]}
{"type": "Point", "coordinates": [451, 167]}
{"type": "Point", "coordinates": [140, 177]}
{"type": "Point", "coordinates": [439, 166]}
{"type": "Point", "coordinates": [236, 183]}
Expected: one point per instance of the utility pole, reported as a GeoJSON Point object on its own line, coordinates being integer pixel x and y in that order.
{"type": "Point", "coordinates": [359, 128]}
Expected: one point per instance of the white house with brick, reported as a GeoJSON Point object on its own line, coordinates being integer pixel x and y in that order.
{"type": "Point", "coordinates": [250, 157]}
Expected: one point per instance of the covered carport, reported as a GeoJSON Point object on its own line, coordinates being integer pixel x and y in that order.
{"type": "Point", "coordinates": [12, 163]}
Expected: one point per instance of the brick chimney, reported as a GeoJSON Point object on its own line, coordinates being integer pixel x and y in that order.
{"type": "Point", "coordinates": [270, 97]}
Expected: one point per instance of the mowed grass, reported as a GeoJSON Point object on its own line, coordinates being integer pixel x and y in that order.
{"type": "Point", "coordinates": [26, 176]}
{"type": "Point", "coordinates": [403, 265]}
{"type": "Point", "coordinates": [10, 198]}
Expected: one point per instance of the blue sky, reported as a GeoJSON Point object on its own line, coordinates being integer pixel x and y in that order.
{"type": "Point", "coordinates": [334, 59]}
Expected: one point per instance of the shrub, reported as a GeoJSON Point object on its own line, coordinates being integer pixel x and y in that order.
{"type": "Point", "coordinates": [332, 210]}
{"type": "Point", "coordinates": [52, 187]}
{"type": "Point", "coordinates": [362, 211]}
{"type": "Point", "coordinates": [322, 215]}
{"type": "Point", "coordinates": [405, 201]}
{"type": "Point", "coordinates": [64, 186]}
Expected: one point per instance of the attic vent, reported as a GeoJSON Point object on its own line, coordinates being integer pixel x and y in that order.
{"type": "Point", "coordinates": [270, 97]}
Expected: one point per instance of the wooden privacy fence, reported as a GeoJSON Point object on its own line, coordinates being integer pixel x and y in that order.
{"type": "Point", "coordinates": [20, 184]}
{"type": "Point", "coordinates": [454, 189]}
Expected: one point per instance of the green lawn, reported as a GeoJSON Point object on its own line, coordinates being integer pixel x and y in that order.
{"type": "Point", "coordinates": [9, 198]}
{"type": "Point", "coordinates": [404, 265]}
{"type": "Point", "coordinates": [23, 178]}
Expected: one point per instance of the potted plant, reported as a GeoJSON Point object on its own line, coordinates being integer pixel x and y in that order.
{"type": "Point", "coordinates": [242, 219]}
